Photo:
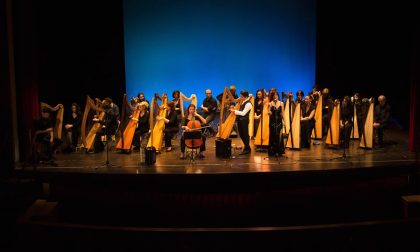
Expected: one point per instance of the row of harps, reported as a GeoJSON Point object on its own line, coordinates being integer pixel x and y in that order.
{"type": "Point", "coordinates": [292, 116]}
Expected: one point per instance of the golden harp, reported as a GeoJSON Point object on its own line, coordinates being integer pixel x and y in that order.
{"type": "Point", "coordinates": [182, 98]}
{"type": "Point", "coordinates": [126, 139]}
{"type": "Point", "coordinates": [58, 123]}
{"type": "Point", "coordinates": [355, 130]}
{"type": "Point", "coordinates": [263, 131]}
{"type": "Point", "coordinates": [333, 136]}
{"type": "Point", "coordinates": [88, 141]}
{"type": "Point", "coordinates": [156, 136]}
{"type": "Point", "coordinates": [366, 140]}
{"type": "Point", "coordinates": [317, 131]}
{"type": "Point", "coordinates": [225, 128]}
{"type": "Point", "coordinates": [293, 139]}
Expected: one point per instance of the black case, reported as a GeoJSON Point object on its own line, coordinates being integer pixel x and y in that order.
{"type": "Point", "coordinates": [150, 155]}
{"type": "Point", "coordinates": [223, 148]}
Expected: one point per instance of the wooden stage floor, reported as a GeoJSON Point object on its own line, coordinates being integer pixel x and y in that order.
{"type": "Point", "coordinates": [318, 157]}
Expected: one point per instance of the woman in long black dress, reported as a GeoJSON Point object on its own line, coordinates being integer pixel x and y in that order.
{"type": "Point", "coordinates": [276, 147]}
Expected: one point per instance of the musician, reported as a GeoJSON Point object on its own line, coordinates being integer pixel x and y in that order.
{"type": "Point", "coordinates": [307, 121]}
{"type": "Point", "coordinates": [176, 95]}
{"type": "Point", "coordinates": [346, 121]}
{"type": "Point", "coordinates": [232, 90]}
{"type": "Point", "coordinates": [43, 128]}
{"type": "Point", "coordinates": [229, 106]}
{"type": "Point", "coordinates": [357, 103]}
{"type": "Point", "coordinates": [171, 124]}
{"type": "Point", "coordinates": [140, 99]}
{"type": "Point", "coordinates": [381, 118]}
{"type": "Point", "coordinates": [243, 120]}
{"type": "Point", "coordinates": [315, 94]}
{"type": "Point", "coordinates": [327, 109]}
{"type": "Point", "coordinates": [109, 124]}
{"type": "Point", "coordinates": [192, 115]}
{"type": "Point", "coordinates": [258, 109]}
{"type": "Point", "coordinates": [73, 125]}
{"type": "Point", "coordinates": [143, 125]}
{"type": "Point", "coordinates": [300, 97]}
{"type": "Point", "coordinates": [276, 108]}
{"type": "Point", "coordinates": [208, 109]}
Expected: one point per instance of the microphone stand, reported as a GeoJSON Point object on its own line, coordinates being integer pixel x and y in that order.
{"type": "Point", "coordinates": [107, 163]}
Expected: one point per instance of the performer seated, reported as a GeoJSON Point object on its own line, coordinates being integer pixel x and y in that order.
{"type": "Point", "coordinates": [187, 125]}
{"type": "Point", "coordinates": [109, 124]}
{"type": "Point", "coordinates": [143, 125]}
{"type": "Point", "coordinates": [171, 124]}
{"type": "Point", "coordinates": [209, 109]}
{"type": "Point", "coordinates": [346, 121]}
{"type": "Point", "coordinates": [44, 135]}
{"type": "Point", "coordinates": [381, 118]}
{"type": "Point", "coordinates": [74, 123]}
{"type": "Point", "coordinates": [307, 122]}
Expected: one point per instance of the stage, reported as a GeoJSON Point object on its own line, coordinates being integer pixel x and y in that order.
{"type": "Point", "coordinates": [318, 158]}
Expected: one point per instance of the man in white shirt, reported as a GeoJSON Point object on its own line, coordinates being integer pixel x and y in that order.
{"type": "Point", "coordinates": [243, 121]}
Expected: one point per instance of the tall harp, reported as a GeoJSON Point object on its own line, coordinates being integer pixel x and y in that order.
{"type": "Point", "coordinates": [366, 140]}
{"type": "Point", "coordinates": [126, 139]}
{"type": "Point", "coordinates": [251, 116]}
{"type": "Point", "coordinates": [58, 123]}
{"type": "Point", "coordinates": [263, 132]}
{"type": "Point", "coordinates": [317, 131]}
{"type": "Point", "coordinates": [156, 136]}
{"type": "Point", "coordinates": [293, 139]}
{"type": "Point", "coordinates": [288, 113]}
{"type": "Point", "coordinates": [88, 141]}
{"type": "Point", "coordinates": [355, 130]}
{"type": "Point", "coordinates": [225, 128]}
{"type": "Point", "coordinates": [333, 136]}
{"type": "Point", "coordinates": [182, 98]}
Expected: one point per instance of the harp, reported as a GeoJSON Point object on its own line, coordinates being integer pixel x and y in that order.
{"type": "Point", "coordinates": [126, 139]}
{"type": "Point", "coordinates": [333, 136]}
{"type": "Point", "coordinates": [293, 139]}
{"type": "Point", "coordinates": [58, 123]}
{"type": "Point", "coordinates": [156, 136]}
{"type": "Point", "coordinates": [317, 131]}
{"type": "Point", "coordinates": [366, 140]}
{"type": "Point", "coordinates": [355, 130]}
{"type": "Point", "coordinates": [251, 116]}
{"type": "Point", "coordinates": [288, 114]}
{"type": "Point", "coordinates": [225, 128]}
{"type": "Point", "coordinates": [263, 131]}
{"type": "Point", "coordinates": [182, 98]}
{"type": "Point", "coordinates": [88, 141]}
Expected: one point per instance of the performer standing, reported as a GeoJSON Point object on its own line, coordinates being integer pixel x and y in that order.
{"type": "Point", "coordinates": [276, 147]}
{"type": "Point", "coordinates": [258, 109]}
{"type": "Point", "coordinates": [357, 102]}
{"type": "Point", "coordinates": [243, 121]}
{"type": "Point", "coordinates": [307, 122]}
{"type": "Point", "coordinates": [346, 121]}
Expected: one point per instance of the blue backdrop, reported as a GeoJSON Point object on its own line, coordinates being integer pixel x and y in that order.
{"type": "Point", "coordinates": [192, 45]}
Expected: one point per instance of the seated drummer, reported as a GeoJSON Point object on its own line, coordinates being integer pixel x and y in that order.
{"type": "Point", "coordinates": [188, 125]}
